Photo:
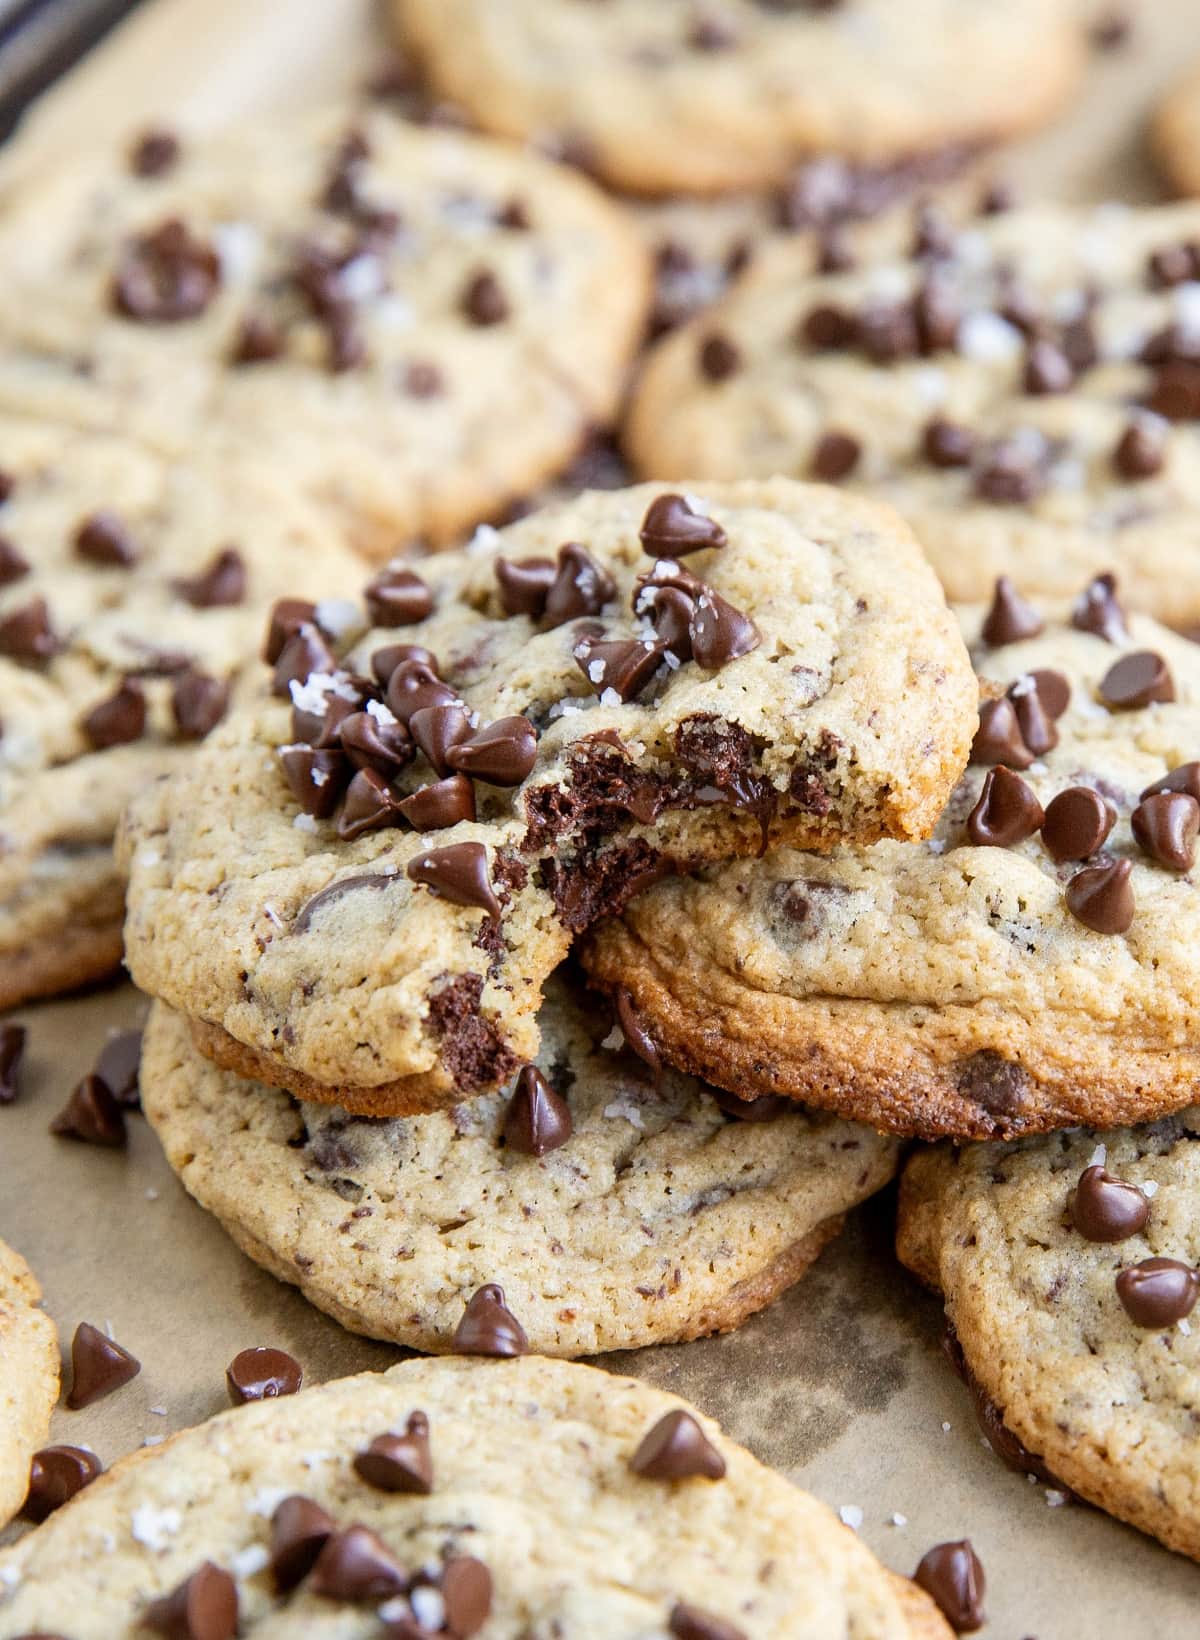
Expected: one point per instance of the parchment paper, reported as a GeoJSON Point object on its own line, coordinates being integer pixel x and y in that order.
{"type": "Point", "coordinates": [841, 1384]}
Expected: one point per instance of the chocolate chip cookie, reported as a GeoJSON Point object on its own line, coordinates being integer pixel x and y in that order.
{"type": "Point", "coordinates": [413, 325]}
{"type": "Point", "coordinates": [1023, 387]}
{"type": "Point", "coordinates": [508, 1498]}
{"type": "Point", "coordinates": [615, 1207]}
{"type": "Point", "coordinates": [1176, 133]}
{"type": "Point", "coordinates": [133, 590]}
{"type": "Point", "coordinates": [695, 98]}
{"type": "Point", "coordinates": [1068, 1265]}
{"type": "Point", "coordinates": [1031, 966]}
{"type": "Point", "coordinates": [28, 1377]}
{"type": "Point", "coordinates": [357, 891]}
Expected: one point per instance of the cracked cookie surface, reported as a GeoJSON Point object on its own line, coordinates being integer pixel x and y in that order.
{"type": "Point", "coordinates": [1023, 388]}
{"type": "Point", "coordinates": [531, 1480]}
{"type": "Point", "coordinates": [1031, 966]}
{"type": "Point", "coordinates": [133, 590]}
{"type": "Point", "coordinates": [412, 325]}
{"type": "Point", "coordinates": [590, 751]}
{"type": "Point", "coordinates": [678, 97]}
{"type": "Point", "coordinates": [652, 1215]}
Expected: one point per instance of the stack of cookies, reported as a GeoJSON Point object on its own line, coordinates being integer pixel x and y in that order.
{"type": "Point", "coordinates": [563, 898]}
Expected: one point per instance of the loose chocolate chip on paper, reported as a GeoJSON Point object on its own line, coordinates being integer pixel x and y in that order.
{"type": "Point", "coordinates": [536, 1120]}
{"type": "Point", "coordinates": [99, 1366]}
{"type": "Point", "coordinates": [1104, 1208]}
{"type": "Point", "coordinates": [262, 1374]}
{"type": "Point", "coordinates": [12, 1050]}
{"type": "Point", "coordinates": [1158, 1292]}
{"type": "Point", "coordinates": [952, 1575]}
{"type": "Point", "coordinates": [675, 1449]}
{"type": "Point", "coordinates": [92, 1115]}
{"type": "Point", "coordinates": [118, 1066]}
{"type": "Point", "coordinates": [1101, 897]}
{"type": "Point", "coordinates": [399, 1463]}
{"type": "Point", "coordinates": [488, 1326]}
{"type": "Point", "coordinates": [1077, 823]}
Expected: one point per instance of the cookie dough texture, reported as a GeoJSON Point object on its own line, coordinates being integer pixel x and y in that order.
{"type": "Point", "coordinates": [677, 98]}
{"type": "Point", "coordinates": [660, 1218]}
{"type": "Point", "coordinates": [1176, 133]}
{"type": "Point", "coordinates": [389, 391]}
{"type": "Point", "coordinates": [1106, 1405]}
{"type": "Point", "coordinates": [943, 988]}
{"type": "Point", "coordinates": [851, 717]}
{"type": "Point", "coordinates": [61, 894]}
{"type": "Point", "coordinates": [1083, 277]}
{"type": "Point", "coordinates": [530, 1475]}
{"type": "Point", "coordinates": [28, 1377]}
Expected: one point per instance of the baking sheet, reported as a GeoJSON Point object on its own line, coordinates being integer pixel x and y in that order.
{"type": "Point", "coordinates": [841, 1384]}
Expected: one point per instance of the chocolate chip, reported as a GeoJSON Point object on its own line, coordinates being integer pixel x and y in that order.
{"type": "Point", "coordinates": [118, 720]}
{"type": "Point", "coordinates": [1166, 826]}
{"type": "Point", "coordinates": [719, 632]}
{"type": "Point", "coordinates": [1105, 1208]}
{"type": "Point", "coordinates": [56, 1475]}
{"type": "Point", "coordinates": [1101, 897]}
{"type": "Point", "coordinates": [166, 276]}
{"type": "Point", "coordinates": [709, 33]}
{"type": "Point", "coordinates": [998, 738]}
{"type": "Point", "coordinates": [673, 612]}
{"type": "Point", "coordinates": [304, 653]}
{"type": "Point", "coordinates": [466, 1595]}
{"type": "Point", "coordinates": [1175, 391]}
{"type": "Point", "coordinates": [435, 729]}
{"type": "Point", "coordinates": [356, 1565]}
{"type": "Point", "coordinates": [398, 597]}
{"type": "Point", "coordinates": [458, 873]}
{"type": "Point", "coordinates": [997, 198]}
{"type": "Point", "coordinates": [525, 584]}
{"type": "Point", "coordinates": [536, 1119]}
{"type": "Point", "coordinates": [1111, 31]}
{"type": "Point", "coordinates": [581, 586]}
{"type": "Point", "coordinates": [376, 740]}
{"type": "Point", "coordinates": [103, 539]}
{"type": "Point", "coordinates": [12, 1050]}
{"type": "Point", "coordinates": [204, 1607]}
{"type": "Point", "coordinates": [288, 615]}
{"type": "Point", "coordinates": [834, 251]}
{"type": "Point", "coordinates": [99, 1366]}
{"type": "Point", "coordinates": [118, 1066]}
{"type": "Point", "coordinates": [690, 1623]}
{"type": "Point", "coordinates": [320, 723]}
{"type": "Point", "coordinates": [1047, 369]}
{"type": "Point", "coordinates": [259, 340]}
{"type": "Point", "coordinates": [386, 660]}
{"type": "Point", "coordinates": [198, 703]}
{"type": "Point", "coordinates": [1141, 451]}
{"type": "Point", "coordinates": [1097, 611]}
{"type": "Point", "coordinates": [26, 633]}
{"type": "Point", "coordinates": [92, 1115]}
{"type": "Point", "coordinates": [300, 1529]}
{"type": "Point", "coordinates": [1007, 811]}
{"type": "Point", "coordinates": [488, 1326]}
{"type": "Point", "coordinates": [1137, 680]}
{"type": "Point", "coordinates": [634, 1032]}
{"type": "Point", "coordinates": [1158, 1292]}
{"type": "Point", "coordinates": [502, 752]}
{"type": "Point", "coordinates": [12, 565]}
{"type": "Point", "coordinates": [1009, 475]}
{"type": "Point", "coordinates": [1036, 724]}
{"type": "Point", "coordinates": [483, 300]}
{"type": "Point", "coordinates": [1185, 778]}
{"type": "Point", "coordinates": [442, 803]}
{"type": "Point", "coordinates": [947, 443]}
{"type": "Point", "coordinates": [719, 358]}
{"type": "Point", "coordinates": [1052, 688]}
{"type": "Point", "coordinates": [888, 333]}
{"type": "Point", "coordinates": [835, 456]}
{"type": "Point", "coordinates": [677, 1449]}
{"type": "Point", "coordinates": [827, 328]}
{"type": "Point", "coordinates": [220, 585]}
{"type": "Point", "coordinates": [262, 1374]}
{"type": "Point", "coordinates": [1170, 265]}
{"type": "Point", "coordinates": [316, 778]}
{"type": "Point", "coordinates": [423, 380]}
{"type": "Point", "coordinates": [672, 528]}
{"type": "Point", "coordinates": [415, 687]}
{"type": "Point", "coordinates": [1010, 619]}
{"type": "Point", "coordinates": [624, 665]}
{"type": "Point", "coordinates": [399, 1463]}
{"type": "Point", "coordinates": [154, 152]}
{"type": "Point", "coordinates": [952, 1575]}
{"type": "Point", "coordinates": [1076, 824]}
{"type": "Point", "coordinates": [369, 805]}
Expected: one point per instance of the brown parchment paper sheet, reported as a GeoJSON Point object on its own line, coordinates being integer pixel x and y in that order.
{"type": "Point", "coordinates": [841, 1384]}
